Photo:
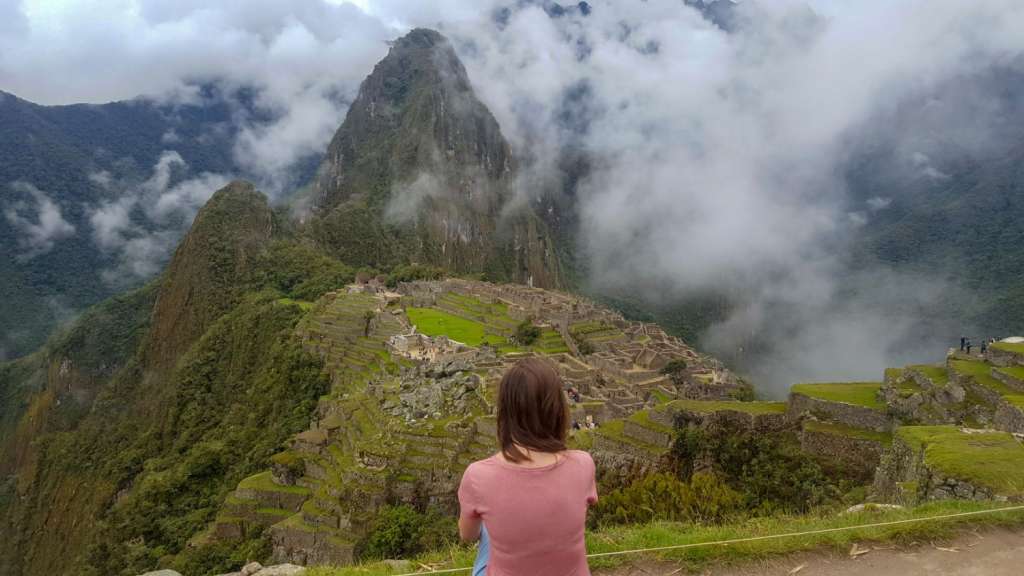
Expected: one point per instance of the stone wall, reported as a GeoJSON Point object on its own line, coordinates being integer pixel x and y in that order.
{"type": "Point", "coordinates": [1012, 382]}
{"type": "Point", "coordinates": [859, 456]}
{"type": "Point", "coordinates": [1009, 418]}
{"type": "Point", "coordinates": [1003, 357]}
{"type": "Point", "coordinates": [729, 419]}
{"type": "Point", "coordinates": [903, 466]}
{"type": "Point", "coordinates": [849, 414]}
{"type": "Point", "coordinates": [302, 545]}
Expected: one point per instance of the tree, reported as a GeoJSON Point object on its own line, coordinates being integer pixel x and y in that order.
{"type": "Point", "coordinates": [526, 333]}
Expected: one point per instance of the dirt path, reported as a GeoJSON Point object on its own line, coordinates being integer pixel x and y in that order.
{"type": "Point", "coordinates": [996, 552]}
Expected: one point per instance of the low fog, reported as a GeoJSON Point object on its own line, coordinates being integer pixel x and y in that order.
{"type": "Point", "coordinates": [715, 158]}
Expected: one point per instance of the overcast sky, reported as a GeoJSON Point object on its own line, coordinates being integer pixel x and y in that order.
{"type": "Point", "coordinates": [715, 155]}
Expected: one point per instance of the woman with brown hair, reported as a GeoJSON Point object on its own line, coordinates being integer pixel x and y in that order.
{"type": "Point", "coordinates": [534, 493]}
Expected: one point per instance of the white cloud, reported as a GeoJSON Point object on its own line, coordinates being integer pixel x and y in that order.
{"type": "Point", "coordinates": [715, 159]}
{"type": "Point", "coordinates": [877, 203]}
{"type": "Point", "coordinates": [305, 58]}
{"type": "Point", "coordinates": [143, 222]}
{"type": "Point", "coordinates": [39, 223]}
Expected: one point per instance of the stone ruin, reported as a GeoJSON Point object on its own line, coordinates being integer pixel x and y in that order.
{"type": "Point", "coordinates": [409, 411]}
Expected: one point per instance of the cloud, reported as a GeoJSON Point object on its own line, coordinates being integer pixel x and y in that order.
{"type": "Point", "coordinates": [406, 199]}
{"type": "Point", "coordinates": [39, 223]}
{"type": "Point", "coordinates": [877, 203]}
{"type": "Point", "coordinates": [302, 60]}
{"type": "Point", "coordinates": [716, 160]}
{"type": "Point", "coordinates": [143, 222]}
{"type": "Point", "coordinates": [698, 160]}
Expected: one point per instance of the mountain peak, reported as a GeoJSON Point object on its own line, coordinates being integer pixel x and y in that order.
{"type": "Point", "coordinates": [420, 172]}
{"type": "Point", "coordinates": [202, 278]}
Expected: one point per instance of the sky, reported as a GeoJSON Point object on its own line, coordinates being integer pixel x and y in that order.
{"type": "Point", "coordinates": [715, 157]}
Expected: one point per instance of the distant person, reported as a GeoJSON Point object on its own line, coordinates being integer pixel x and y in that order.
{"type": "Point", "coordinates": [963, 343]}
{"type": "Point", "coordinates": [528, 503]}
{"type": "Point", "coordinates": [984, 347]}
{"type": "Point", "coordinates": [969, 346]}
{"type": "Point", "coordinates": [590, 422]}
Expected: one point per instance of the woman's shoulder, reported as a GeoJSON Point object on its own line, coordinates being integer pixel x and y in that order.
{"type": "Point", "coordinates": [481, 466]}
{"type": "Point", "coordinates": [581, 456]}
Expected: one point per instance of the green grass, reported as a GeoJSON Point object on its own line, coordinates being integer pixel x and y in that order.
{"type": "Point", "coordinates": [994, 460]}
{"type": "Point", "coordinates": [981, 373]}
{"type": "Point", "coordinates": [433, 322]}
{"type": "Point", "coordinates": [614, 429]}
{"type": "Point", "coordinates": [304, 305]}
{"type": "Point", "coordinates": [643, 418]}
{"type": "Point", "coordinates": [857, 393]}
{"type": "Point", "coordinates": [1016, 372]}
{"type": "Point", "coordinates": [264, 483]}
{"type": "Point", "coordinates": [937, 374]}
{"type": "Point", "coordinates": [662, 534]}
{"type": "Point", "coordinates": [708, 406]}
{"type": "Point", "coordinates": [849, 431]}
{"type": "Point", "coordinates": [1007, 347]}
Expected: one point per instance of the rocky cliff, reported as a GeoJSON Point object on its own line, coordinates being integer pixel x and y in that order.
{"type": "Point", "coordinates": [420, 172]}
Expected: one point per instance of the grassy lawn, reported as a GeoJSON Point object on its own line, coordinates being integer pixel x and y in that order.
{"type": "Point", "coordinates": [708, 406]}
{"type": "Point", "coordinates": [991, 459]}
{"type": "Point", "coordinates": [433, 322]}
{"type": "Point", "coordinates": [848, 431]}
{"type": "Point", "coordinates": [857, 393]}
{"type": "Point", "coordinates": [674, 534]}
{"type": "Point", "coordinates": [1007, 347]}
{"type": "Point", "coordinates": [981, 373]}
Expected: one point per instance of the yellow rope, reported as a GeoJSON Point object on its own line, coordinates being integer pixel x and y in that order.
{"type": "Point", "coordinates": [767, 537]}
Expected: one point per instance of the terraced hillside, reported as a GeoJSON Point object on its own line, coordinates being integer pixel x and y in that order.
{"type": "Point", "coordinates": [414, 375]}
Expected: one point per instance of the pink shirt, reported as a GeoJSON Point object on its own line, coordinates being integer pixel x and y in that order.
{"type": "Point", "coordinates": [534, 516]}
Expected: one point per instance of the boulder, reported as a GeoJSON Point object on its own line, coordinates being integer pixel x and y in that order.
{"type": "Point", "coordinates": [162, 573]}
{"type": "Point", "coordinates": [251, 568]}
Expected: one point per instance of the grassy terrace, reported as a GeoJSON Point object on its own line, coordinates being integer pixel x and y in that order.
{"type": "Point", "coordinates": [1016, 372]}
{"type": "Point", "coordinates": [848, 431]}
{"type": "Point", "coordinates": [994, 460]}
{"type": "Point", "coordinates": [937, 374]}
{"type": "Point", "coordinates": [433, 322]}
{"type": "Point", "coordinates": [614, 429]}
{"type": "Point", "coordinates": [263, 483]}
{"type": "Point", "coordinates": [674, 534]}
{"type": "Point", "coordinates": [1007, 347]}
{"type": "Point", "coordinates": [857, 393]}
{"type": "Point", "coordinates": [708, 406]}
{"type": "Point", "coordinates": [981, 373]}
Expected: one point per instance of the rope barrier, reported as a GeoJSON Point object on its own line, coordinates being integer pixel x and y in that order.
{"type": "Point", "coordinates": [766, 537]}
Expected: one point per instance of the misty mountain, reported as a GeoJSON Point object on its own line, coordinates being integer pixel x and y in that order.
{"type": "Point", "coordinates": [420, 172]}
{"type": "Point", "coordinates": [93, 197]}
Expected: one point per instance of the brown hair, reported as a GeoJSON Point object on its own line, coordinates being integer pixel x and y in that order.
{"type": "Point", "coordinates": [532, 409]}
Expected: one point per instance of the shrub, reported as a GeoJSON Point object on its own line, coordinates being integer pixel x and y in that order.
{"type": "Point", "coordinates": [661, 496]}
{"type": "Point", "coordinates": [411, 272]}
{"type": "Point", "coordinates": [401, 531]}
{"type": "Point", "coordinates": [674, 367]}
{"type": "Point", "coordinates": [526, 333]}
{"type": "Point", "coordinates": [769, 471]}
